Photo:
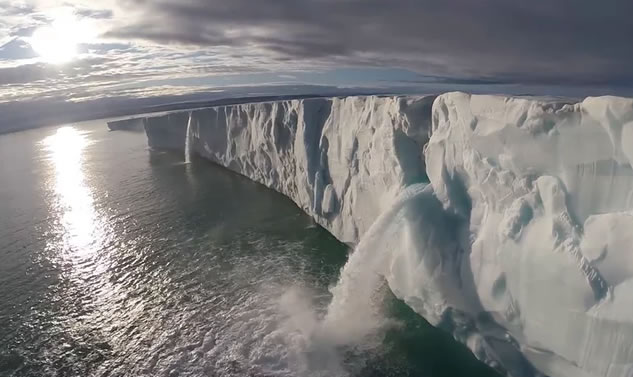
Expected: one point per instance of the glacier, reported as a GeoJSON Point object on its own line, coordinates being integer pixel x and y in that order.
{"type": "Point", "coordinates": [517, 238]}
{"type": "Point", "coordinates": [128, 124]}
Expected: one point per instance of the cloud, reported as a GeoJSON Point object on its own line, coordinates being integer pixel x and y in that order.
{"type": "Point", "coordinates": [16, 49]}
{"type": "Point", "coordinates": [26, 73]}
{"type": "Point", "coordinates": [560, 41]}
{"type": "Point", "coordinates": [95, 13]}
{"type": "Point", "coordinates": [15, 8]}
{"type": "Point", "coordinates": [152, 47]}
{"type": "Point", "coordinates": [564, 40]}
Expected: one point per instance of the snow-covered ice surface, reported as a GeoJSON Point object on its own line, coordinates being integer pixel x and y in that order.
{"type": "Point", "coordinates": [518, 238]}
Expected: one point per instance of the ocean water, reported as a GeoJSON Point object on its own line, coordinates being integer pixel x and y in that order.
{"type": "Point", "coordinates": [116, 260]}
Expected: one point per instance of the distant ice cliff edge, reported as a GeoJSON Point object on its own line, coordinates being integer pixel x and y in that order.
{"type": "Point", "coordinates": [520, 244]}
{"type": "Point", "coordinates": [126, 124]}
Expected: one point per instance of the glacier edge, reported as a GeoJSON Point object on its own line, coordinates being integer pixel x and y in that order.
{"type": "Point", "coordinates": [523, 250]}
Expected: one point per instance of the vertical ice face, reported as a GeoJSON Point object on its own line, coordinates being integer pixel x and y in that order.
{"type": "Point", "coordinates": [341, 160]}
{"type": "Point", "coordinates": [135, 124]}
{"type": "Point", "coordinates": [544, 190]}
{"type": "Point", "coordinates": [520, 243]}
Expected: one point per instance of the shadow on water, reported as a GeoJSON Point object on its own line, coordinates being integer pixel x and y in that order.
{"type": "Point", "coordinates": [423, 350]}
{"type": "Point", "coordinates": [240, 205]}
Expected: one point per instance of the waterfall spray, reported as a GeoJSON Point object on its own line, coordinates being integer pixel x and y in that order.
{"type": "Point", "coordinates": [355, 316]}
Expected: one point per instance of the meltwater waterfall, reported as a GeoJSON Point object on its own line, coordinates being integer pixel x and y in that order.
{"type": "Point", "coordinates": [188, 140]}
{"type": "Point", "coordinates": [355, 310]}
{"type": "Point", "coordinates": [355, 316]}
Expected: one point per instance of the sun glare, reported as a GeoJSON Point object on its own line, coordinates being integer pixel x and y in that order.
{"type": "Point", "coordinates": [58, 42]}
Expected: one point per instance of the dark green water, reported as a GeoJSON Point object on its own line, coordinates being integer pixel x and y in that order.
{"type": "Point", "coordinates": [120, 261]}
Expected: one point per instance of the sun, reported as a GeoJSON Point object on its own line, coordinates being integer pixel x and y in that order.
{"type": "Point", "coordinates": [58, 42]}
{"type": "Point", "coordinates": [53, 46]}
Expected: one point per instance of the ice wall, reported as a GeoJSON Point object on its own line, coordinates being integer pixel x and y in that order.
{"type": "Point", "coordinates": [126, 124]}
{"type": "Point", "coordinates": [544, 191]}
{"type": "Point", "coordinates": [340, 160]}
{"type": "Point", "coordinates": [521, 244]}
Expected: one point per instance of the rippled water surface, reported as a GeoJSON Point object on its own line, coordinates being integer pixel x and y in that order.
{"type": "Point", "coordinates": [120, 261]}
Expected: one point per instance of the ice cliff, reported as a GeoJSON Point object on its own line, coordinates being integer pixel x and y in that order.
{"type": "Point", "coordinates": [520, 243]}
{"type": "Point", "coordinates": [340, 160]}
{"type": "Point", "coordinates": [126, 124]}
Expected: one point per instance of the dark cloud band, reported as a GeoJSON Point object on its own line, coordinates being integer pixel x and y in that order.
{"type": "Point", "coordinates": [563, 40]}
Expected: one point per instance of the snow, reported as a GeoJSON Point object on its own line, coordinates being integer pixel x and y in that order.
{"type": "Point", "coordinates": [517, 239]}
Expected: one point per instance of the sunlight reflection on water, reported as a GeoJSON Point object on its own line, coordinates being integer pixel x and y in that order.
{"type": "Point", "coordinates": [73, 203]}
{"type": "Point", "coordinates": [80, 231]}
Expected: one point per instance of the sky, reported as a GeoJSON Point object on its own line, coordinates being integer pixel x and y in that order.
{"type": "Point", "coordinates": [89, 56]}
